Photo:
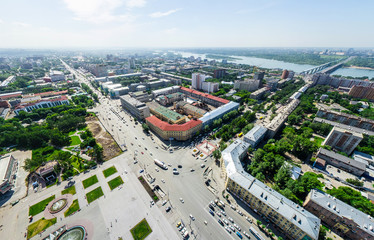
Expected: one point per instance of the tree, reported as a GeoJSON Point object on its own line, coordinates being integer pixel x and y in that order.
{"type": "Point", "coordinates": [217, 154]}
{"type": "Point", "coordinates": [145, 127]}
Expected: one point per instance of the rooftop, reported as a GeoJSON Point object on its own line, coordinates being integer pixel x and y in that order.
{"type": "Point", "coordinates": [291, 211]}
{"type": "Point", "coordinates": [172, 127]}
{"type": "Point", "coordinates": [214, 98]}
{"type": "Point", "coordinates": [341, 158]}
{"type": "Point", "coordinates": [4, 163]}
{"type": "Point", "coordinates": [344, 126]}
{"type": "Point", "coordinates": [342, 209]}
{"type": "Point", "coordinates": [132, 101]}
{"type": "Point", "coordinates": [255, 134]}
{"type": "Point", "coordinates": [213, 114]}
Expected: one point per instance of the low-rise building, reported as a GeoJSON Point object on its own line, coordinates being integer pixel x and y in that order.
{"type": "Point", "coordinates": [258, 93]}
{"type": "Point", "coordinates": [343, 140]}
{"type": "Point", "coordinates": [189, 109]}
{"type": "Point", "coordinates": [42, 103]}
{"type": "Point", "coordinates": [249, 85]}
{"type": "Point", "coordinates": [204, 97]}
{"type": "Point", "coordinates": [288, 217]}
{"type": "Point", "coordinates": [166, 114]}
{"type": "Point", "coordinates": [180, 132]}
{"type": "Point", "coordinates": [217, 113]}
{"type": "Point", "coordinates": [165, 91]}
{"type": "Point", "coordinates": [56, 76]}
{"type": "Point", "coordinates": [348, 164]}
{"type": "Point", "coordinates": [7, 81]}
{"type": "Point", "coordinates": [170, 98]}
{"type": "Point", "coordinates": [8, 166]}
{"type": "Point", "coordinates": [343, 219]}
{"type": "Point", "coordinates": [141, 96]}
{"type": "Point", "coordinates": [138, 109]}
{"type": "Point", "coordinates": [255, 135]}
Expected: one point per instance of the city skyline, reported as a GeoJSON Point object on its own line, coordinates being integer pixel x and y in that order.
{"type": "Point", "coordinates": [161, 24]}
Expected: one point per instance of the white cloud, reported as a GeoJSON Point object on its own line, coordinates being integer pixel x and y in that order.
{"type": "Point", "coordinates": [97, 11]}
{"type": "Point", "coordinates": [135, 3]}
{"type": "Point", "coordinates": [22, 24]}
{"type": "Point", "coordinates": [1, 21]}
{"type": "Point", "coordinates": [164, 14]}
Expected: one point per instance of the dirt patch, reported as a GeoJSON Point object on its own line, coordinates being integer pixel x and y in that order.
{"type": "Point", "coordinates": [110, 147]}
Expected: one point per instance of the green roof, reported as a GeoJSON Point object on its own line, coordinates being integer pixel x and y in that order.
{"type": "Point", "coordinates": [174, 116]}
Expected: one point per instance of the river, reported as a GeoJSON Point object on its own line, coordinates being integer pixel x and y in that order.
{"type": "Point", "coordinates": [269, 63]}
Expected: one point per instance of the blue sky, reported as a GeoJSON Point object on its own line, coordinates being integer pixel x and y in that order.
{"type": "Point", "coordinates": [186, 23]}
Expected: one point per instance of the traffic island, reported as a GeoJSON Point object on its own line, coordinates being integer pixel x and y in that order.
{"type": "Point", "coordinates": [141, 230]}
{"type": "Point", "coordinates": [149, 190]}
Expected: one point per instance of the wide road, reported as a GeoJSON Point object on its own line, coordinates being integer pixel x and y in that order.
{"type": "Point", "coordinates": [187, 185]}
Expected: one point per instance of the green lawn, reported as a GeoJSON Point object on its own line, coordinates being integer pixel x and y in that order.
{"type": "Point", "coordinates": [115, 182]}
{"type": "Point", "coordinates": [94, 194]}
{"type": "Point", "coordinates": [75, 140]}
{"type": "Point", "coordinates": [70, 190]}
{"type": "Point", "coordinates": [72, 132]}
{"type": "Point", "coordinates": [73, 208]}
{"type": "Point", "coordinates": [38, 226]}
{"type": "Point", "coordinates": [40, 206]}
{"type": "Point", "coordinates": [318, 141]}
{"type": "Point", "coordinates": [109, 171]}
{"type": "Point", "coordinates": [90, 181]}
{"type": "Point", "coordinates": [141, 230]}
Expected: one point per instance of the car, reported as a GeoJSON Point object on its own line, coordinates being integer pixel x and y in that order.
{"type": "Point", "coordinates": [157, 170]}
{"type": "Point", "coordinates": [167, 209]}
{"type": "Point", "coordinates": [237, 227]}
{"type": "Point", "coordinates": [248, 219]}
{"type": "Point", "coordinates": [164, 202]}
{"type": "Point", "coordinates": [202, 165]}
{"type": "Point", "coordinates": [247, 235]}
{"type": "Point", "coordinates": [152, 202]}
{"type": "Point", "coordinates": [220, 222]}
{"type": "Point", "coordinates": [150, 154]}
{"type": "Point", "coordinates": [136, 138]}
{"type": "Point", "coordinates": [141, 171]}
{"type": "Point", "coordinates": [178, 224]}
{"type": "Point", "coordinates": [232, 228]}
{"type": "Point", "coordinates": [226, 222]}
{"type": "Point", "coordinates": [239, 235]}
{"type": "Point", "coordinates": [233, 207]}
{"type": "Point", "coordinates": [218, 214]}
{"type": "Point", "coordinates": [228, 229]}
{"type": "Point", "coordinates": [180, 227]}
{"type": "Point", "coordinates": [179, 166]}
{"type": "Point", "coordinates": [223, 213]}
{"type": "Point", "coordinates": [211, 207]}
{"type": "Point", "coordinates": [192, 170]}
{"type": "Point", "coordinates": [230, 219]}
{"type": "Point", "coordinates": [135, 162]}
{"type": "Point", "coordinates": [146, 149]}
{"type": "Point", "coordinates": [211, 212]}
{"type": "Point", "coordinates": [142, 153]}
{"type": "Point", "coordinates": [181, 199]}
{"type": "Point", "coordinates": [192, 217]}
{"type": "Point", "coordinates": [162, 180]}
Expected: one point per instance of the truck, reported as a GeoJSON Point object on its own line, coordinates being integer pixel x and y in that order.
{"type": "Point", "coordinates": [161, 164]}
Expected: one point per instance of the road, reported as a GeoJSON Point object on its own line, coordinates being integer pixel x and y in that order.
{"type": "Point", "coordinates": [187, 185]}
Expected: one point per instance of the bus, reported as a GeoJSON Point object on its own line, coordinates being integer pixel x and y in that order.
{"type": "Point", "coordinates": [256, 234]}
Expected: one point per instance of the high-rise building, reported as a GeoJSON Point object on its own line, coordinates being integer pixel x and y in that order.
{"type": "Point", "coordinates": [219, 73]}
{"type": "Point", "coordinates": [343, 140]}
{"type": "Point", "coordinates": [210, 87]}
{"type": "Point", "coordinates": [259, 76]}
{"type": "Point", "coordinates": [198, 79]}
{"type": "Point", "coordinates": [285, 74]}
{"type": "Point", "coordinates": [249, 85]}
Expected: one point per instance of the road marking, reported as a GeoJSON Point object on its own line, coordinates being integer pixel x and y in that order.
{"type": "Point", "coordinates": [216, 221]}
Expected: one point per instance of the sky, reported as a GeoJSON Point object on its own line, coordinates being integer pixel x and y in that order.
{"type": "Point", "coordinates": [185, 23]}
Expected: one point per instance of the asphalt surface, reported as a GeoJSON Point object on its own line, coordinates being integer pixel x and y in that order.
{"type": "Point", "coordinates": [187, 185]}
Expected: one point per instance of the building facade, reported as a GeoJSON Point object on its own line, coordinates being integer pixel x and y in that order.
{"type": "Point", "coordinates": [57, 76]}
{"type": "Point", "coordinates": [219, 73]}
{"type": "Point", "coordinates": [8, 167]}
{"type": "Point", "coordinates": [362, 92]}
{"type": "Point", "coordinates": [43, 103]}
{"type": "Point", "coordinates": [343, 140]}
{"type": "Point", "coordinates": [288, 217]}
{"type": "Point", "coordinates": [348, 164]}
{"type": "Point", "coordinates": [197, 80]}
{"type": "Point", "coordinates": [135, 107]}
{"type": "Point", "coordinates": [343, 219]}
{"type": "Point", "coordinates": [210, 87]}
{"type": "Point", "coordinates": [180, 132]}
{"type": "Point", "coordinates": [249, 85]}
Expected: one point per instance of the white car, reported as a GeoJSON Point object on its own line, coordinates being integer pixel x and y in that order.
{"type": "Point", "coordinates": [192, 217]}
{"type": "Point", "coordinates": [218, 214]}
{"type": "Point", "coordinates": [233, 207]}
{"type": "Point", "coordinates": [223, 213]}
{"type": "Point", "coordinates": [225, 221]}
{"type": "Point", "coordinates": [232, 228]}
{"type": "Point", "coordinates": [246, 234]}
{"type": "Point", "coordinates": [228, 229]}
{"type": "Point", "coordinates": [230, 219]}
{"type": "Point", "coordinates": [162, 180]}
{"type": "Point", "coordinates": [181, 199]}
{"type": "Point", "coordinates": [202, 165]}
{"type": "Point", "coordinates": [237, 227]}
{"type": "Point", "coordinates": [164, 202]}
